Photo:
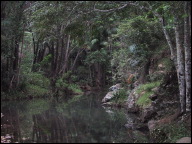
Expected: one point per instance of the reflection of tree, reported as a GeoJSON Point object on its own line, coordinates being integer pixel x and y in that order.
{"type": "Point", "coordinates": [81, 121]}
{"type": "Point", "coordinates": [84, 121]}
{"type": "Point", "coordinates": [11, 124]}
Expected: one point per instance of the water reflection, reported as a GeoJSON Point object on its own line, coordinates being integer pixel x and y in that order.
{"type": "Point", "coordinates": [81, 120]}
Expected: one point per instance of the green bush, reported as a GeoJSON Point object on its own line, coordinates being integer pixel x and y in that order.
{"type": "Point", "coordinates": [35, 90]}
{"type": "Point", "coordinates": [75, 88]}
{"type": "Point", "coordinates": [38, 79]}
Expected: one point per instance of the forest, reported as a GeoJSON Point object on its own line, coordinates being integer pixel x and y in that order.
{"type": "Point", "coordinates": [95, 58]}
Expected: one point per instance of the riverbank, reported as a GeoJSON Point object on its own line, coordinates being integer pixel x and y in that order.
{"type": "Point", "coordinates": [157, 106]}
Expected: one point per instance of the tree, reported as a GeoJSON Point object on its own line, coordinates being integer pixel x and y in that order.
{"type": "Point", "coordinates": [12, 26]}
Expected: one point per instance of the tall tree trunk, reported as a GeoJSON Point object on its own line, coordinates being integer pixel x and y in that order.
{"type": "Point", "coordinates": [20, 57]}
{"type": "Point", "coordinates": [180, 65]}
{"type": "Point", "coordinates": [64, 68]}
{"type": "Point", "coordinates": [187, 46]}
{"type": "Point", "coordinates": [144, 72]}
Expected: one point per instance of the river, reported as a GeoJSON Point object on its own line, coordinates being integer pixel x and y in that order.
{"type": "Point", "coordinates": [53, 120]}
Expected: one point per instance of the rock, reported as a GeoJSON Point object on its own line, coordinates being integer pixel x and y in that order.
{"type": "Point", "coordinates": [155, 90]}
{"type": "Point", "coordinates": [147, 113]}
{"type": "Point", "coordinates": [108, 96]}
{"type": "Point", "coordinates": [153, 97]}
{"type": "Point", "coordinates": [152, 125]}
{"type": "Point", "coordinates": [131, 102]}
{"type": "Point", "coordinates": [142, 127]}
{"type": "Point", "coordinates": [184, 140]}
{"type": "Point", "coordinates": [115, 87]}
{"type": "Point", "coordinates": [140, 137]}
{"type": "Point", "coordinates": [88, 88]}
{"type": "Point", "coordinates": [129, 126]}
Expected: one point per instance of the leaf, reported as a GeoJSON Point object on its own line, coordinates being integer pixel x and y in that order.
{"type": "Point", "coordinates": [94, 41]}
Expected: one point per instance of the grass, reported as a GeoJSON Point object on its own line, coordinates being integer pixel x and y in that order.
{"type": "Point", "coordinates": [145, 91]}
{"type": "Point", "coordinates": [144, 99]}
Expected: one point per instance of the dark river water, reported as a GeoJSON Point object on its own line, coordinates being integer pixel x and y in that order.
{"type": "Point", "coordinates": [53, 120]}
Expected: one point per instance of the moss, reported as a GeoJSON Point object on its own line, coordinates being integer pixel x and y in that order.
{"type": "Point", "coordinates": [144, 100]}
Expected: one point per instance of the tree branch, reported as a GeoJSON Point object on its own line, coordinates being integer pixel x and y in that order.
{"type": "Point", "coordinates": [110, 9]}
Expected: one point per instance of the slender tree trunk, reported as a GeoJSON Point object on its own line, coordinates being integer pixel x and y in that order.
{"type": "Point", "coordinates": [56, 57]}
{"type": "Point", "coordinates": [189, 13]}
{"type": "Point", "coordinates": [73, 65]}
{"type": "Point", "coordinates": [20, 57]}
{"type": "Point", "coordinates": [180, 65]}
{"type": "Point", "coordinates": [187, 46]}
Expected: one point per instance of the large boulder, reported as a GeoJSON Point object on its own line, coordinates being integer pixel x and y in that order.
{"type": "Point", "coordinates": [112, 91]}
{"type": "Point", "coordinates": [148, 113]}
{"type": "Point", "coordinates": [152, 124]}
{"type": "Point", "coordinates": [108, 96]}
{"type": "Point", "coordinates": [115, 87]}
{"type": "Point", "coordinates": [131, 101]}
{"type": "Point", "coordinates": [184, 140]}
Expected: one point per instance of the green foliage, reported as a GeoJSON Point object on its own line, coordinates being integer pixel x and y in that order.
{"type": "Point", "coordinates": [148, 86]}
{"type": "Point", "coordinates": [46, 60]}
{"type": "Point", "coordinates": [120, 62]}
{"type": "Point", "coordinates": [38, 79]}
{"type": "Point", "coordinates": [168, 64]}
{"type": "Point", "coordinates": [75, 88]}
{"type": "Point", "coordinates": [36, 91]}
{"type": "Point", "coordinates": [170, 133]}
{"type": "Point", "coordinates": [62, 83]}
{"type": "Point", "coordinates": [98, 56]}
{"type": "Point", "coordinates": [120, 96]}
{"type": "Point", "coordinates": [144, 100]}
{"type": "Point", "coordinates": [156, 76]}
{"type": "Point", "coordinates": [145, 91]}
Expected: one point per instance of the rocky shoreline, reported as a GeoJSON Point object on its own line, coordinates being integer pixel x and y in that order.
{"type": "Point", "coordinates": [162, 111]}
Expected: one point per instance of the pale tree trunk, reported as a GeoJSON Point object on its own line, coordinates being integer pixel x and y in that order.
{"type": "Point", "coordinates": [180, 65]}
{"type": "Point", "coordinates": [187, 46]}
{"type": "Point", "coordinates": [64, 68]}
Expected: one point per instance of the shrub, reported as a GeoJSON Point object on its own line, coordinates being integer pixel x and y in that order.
{"type": "Point", "coordinates": [35, 90]}
{"type": "Point", "coordinates": [38, 79]}
{"type": "Point", "coordinates": [120, 96]}
{"type": "Point", "coordinates": [75, 88]}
